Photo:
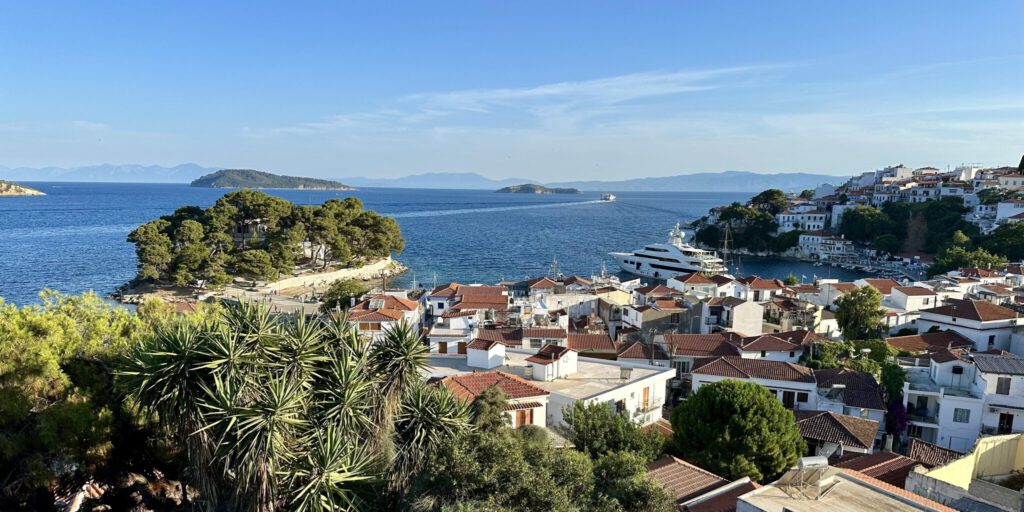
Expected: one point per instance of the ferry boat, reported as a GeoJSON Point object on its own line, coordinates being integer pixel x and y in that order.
{"type": "Point", "coordinates": [608, 197]}
{"type": "Point", "coordinates": [662, 261]}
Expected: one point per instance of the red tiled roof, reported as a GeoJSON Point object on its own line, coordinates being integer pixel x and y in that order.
{"type": "Point", "coordinates": [548, 354]}
{"type": "Point", "coordinates": [884, 286]}
{"type": "Point", "coordinates": [978, 272]}
{"type": "Point", "coordinates": [681, 479]}
{"type": "Point", "coordinates": [387, 302]}
{"type": "Point", "coordinates": [693, 278]}
{"type": "Point", "coordinates": [454, 314]}
{"type": "Point", "coordinates": [661, 426]}
{"type": "Point", "coordinates": [507, 337]}
{"type": "Point", "coordinates": [720, 279]}
{"type": "Point", "coordinates": [758, 283]}
{"type": "Point", "coordinates": [482, 344]}
{"type": "Point", "coordinates": [946, 356]}
{"type": "Point", "coordinates": [469, 385]}
{"type": "Point", "coordinates": [732, 366]}
{"type": "Point", "coordinates": [544, 332]}
{"type": "Point", "coordinates": [641, 350]}
{"type": "Point", "coordinates": [801, 337]}
{"type": "Point", "coordinates": [861, 389]}
{"type": "Point", "coordinates": [891, 468]}
{"type": "Point", "coordinates": [844, 287]}
{"type": "Point", "coordinates": [929, 341]}
{"type": "Point", "coordinates": [380, 315]}
{"type": "Point", "coordinates": [656, 289]}
{"type": "Point", "coordinates": [700, 345]}
{"type": "Point", "coordinates": [541, 282]}
{"type": "Point", "coordinates": [830, 427]}
{"type": "Point", "coordinates": [914, 291]}
{"type": "Point", "coordinates": [523, 405]}
{"type": "Point", "coordinates": [931, 455]}
{"type": "Point", "coordinates": [977, 310]}
{"type": "Point", "coordinates": [571, 280]}
{"type": "Point", "coordinates": [768, 343]}
{"type": "Point", "coordinates": [580, 342]}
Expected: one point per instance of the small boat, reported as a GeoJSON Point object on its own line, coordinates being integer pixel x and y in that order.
{"type": "Point", "coordinates": [607, 197]}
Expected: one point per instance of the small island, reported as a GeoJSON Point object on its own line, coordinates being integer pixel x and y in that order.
{"type": "Point", "coordinates": [8, 189]}
{"type": "Point", "coordinates": [531, 188]}
{"type": "Point", "coordinates": [248, 178]}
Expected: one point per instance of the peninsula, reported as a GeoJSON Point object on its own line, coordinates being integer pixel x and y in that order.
{"type": "Point", "coordinates": [13, 189]}
{"type": "Point", "coordinates": [531, 188]}
{"type": "Point", "coordinates": [248, 178]}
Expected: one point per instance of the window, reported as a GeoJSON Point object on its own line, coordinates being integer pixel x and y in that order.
{"type": "Point", "coordinates": [681, 367]}
{"type": "Point", "coordinates": [991, 340]}
{"type": "Point", "coordinates": [524, 417]}
{"type": "Point", "coordinates": [962, 415]}
{"type": "Point", "coordinates": [801, 397]}
{"type": "Point", "coordinates": [792, 353]}
{"type": "Point", "coordinates": [914, 430]}
{"type": "Point", "coordinates": [764, 353]}
{"type": "Point", "coordinates": [674, 318]}
{"type": "Point", "coordinates": [620, 406]}
{"type": "Point", "coordinates": [535, 343]}
{"type": "Point", "coordinates": [1003, 386]}
{"type": "Point", "coordinates": [440, 305]}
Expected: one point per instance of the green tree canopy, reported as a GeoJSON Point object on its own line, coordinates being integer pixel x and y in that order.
{"type": "Point", "coordinates": [864, 223]}
{"type": "Point", "coordinates": [1007, 241]}
{"type": "Point", "coordinates": [340, 294]}
{"type": "Point", "coordinates": [597, 430]}
{"type": "Point", "coordinates": [771, 201]}
{"type": "Point", "coordinates": [251, 233]}
{"type": "Point", "coordinates": [859, 313]}
{"type": "Point", "coordinates": [956, 257]}
{"type": "Point", "coordinates": [736, 429]}
{"type": "Point", "coordinates": [807, 194]}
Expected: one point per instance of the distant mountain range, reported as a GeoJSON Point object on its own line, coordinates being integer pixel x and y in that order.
{"type": "Point", "coordinates": [127, 173]}
{"type": "Point", "coordinates": [727, 181]}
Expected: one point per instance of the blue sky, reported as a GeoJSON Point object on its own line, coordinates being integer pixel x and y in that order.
{"type": "Point", "coordinates": [539, 90]}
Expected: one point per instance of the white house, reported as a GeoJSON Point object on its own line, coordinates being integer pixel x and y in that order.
{"type": "Point", "coordinates": [1001, 379]}
{"type": "Point", "coordinates": [376, 315]}
{"type": "Point", "coordinates": [527, 403]}
{"type": "Point", "coordinates": [553, 362]}
{"type": "Point", "coordinates": [486, 354]}
{"type": "Point", "coordinates": [537, 337]}
{"type": "Point", "coordinates": [942, 405]}
{"type": "Point", "coordinates": [693, 284]}
{"type": "Point", "coordinates": [987, 325]}
{"type": "Point", "coordinates": [913, 298]}
{"type": "Point", "coordinates": [792, 384]}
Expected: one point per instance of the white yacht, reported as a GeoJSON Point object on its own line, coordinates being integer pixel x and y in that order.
{"type": "Point", "coordinates": [608, 197]}
{"type": "Point", "coordinates": [662, 261]}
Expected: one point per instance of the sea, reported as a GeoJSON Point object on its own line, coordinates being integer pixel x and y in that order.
{"type": "Point", "coordinates": [73, 239]}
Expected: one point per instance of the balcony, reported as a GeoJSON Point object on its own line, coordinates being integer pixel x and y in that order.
{"type": "Point", "coordinates": [924, 417]}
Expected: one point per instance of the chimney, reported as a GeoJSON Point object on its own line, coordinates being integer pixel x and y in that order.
{"type": "Point", "coordinates": [888, 443]}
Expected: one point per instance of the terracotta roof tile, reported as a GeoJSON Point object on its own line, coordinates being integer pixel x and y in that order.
{"type": "Point", "coordinates": [732, 366]}
{"type": "Point", "coordinates": [544, 332]}
{"type": "Point", "coordinates": [482, 344]}
{"type": "Point", "coordinates": [830, 427]}
{"type": "Point", "coordinates": [681, 479]}
{"type": "Point", "coordinates": [700, 345]}
{"type": "Point", "coordinates": [884, 286]}
{"type": "Point", "coordinates": [469, 385]}
{"type": "Point", "coordinates": [930, 341]}
{"type": "Point", "coordinates": [931, 455]}
{"type": "Point", "coordinates": [581, 342]}
{"type": "Point", "coordinates": [641, 350]}
{"type": "Point", "coordinates": [693, 278]}
{"type": "Point", "coordinates": [768, 343]}
{"type": "Point", "coordinates": [800, 336]}
{"type": "Point", "coordinates": [507, 337]}
{"type": "Point", "coordinates": [977, 310]}
{"type": "Point", "coordinates": [548, 354]}
{"type": "Point", "coordinates": [891, 468]}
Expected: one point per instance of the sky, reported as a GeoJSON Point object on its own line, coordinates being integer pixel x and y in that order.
{"type": "Point", "coordinates": [540, 90]}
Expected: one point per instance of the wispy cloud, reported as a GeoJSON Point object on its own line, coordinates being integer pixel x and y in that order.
{"type": "Point", "coordinates": [560, 105]}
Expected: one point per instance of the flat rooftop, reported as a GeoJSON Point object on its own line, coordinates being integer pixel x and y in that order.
{"type": "Point", "coordinates": [840, 493]}
{"type": "Point", "coordinates": [921, 380]}
{"type": "Point", "coordinates": [592, 377]}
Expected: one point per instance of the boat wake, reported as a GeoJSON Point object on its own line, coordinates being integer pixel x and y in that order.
{"type": "Point", "coordinates": [438, 213]}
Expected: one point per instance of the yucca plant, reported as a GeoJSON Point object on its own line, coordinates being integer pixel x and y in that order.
{"type": "Point", "coordinates": [293, 413]}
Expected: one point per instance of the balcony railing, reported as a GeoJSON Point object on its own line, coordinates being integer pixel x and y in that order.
{"type": "Point", "coordinates": [924, 417]}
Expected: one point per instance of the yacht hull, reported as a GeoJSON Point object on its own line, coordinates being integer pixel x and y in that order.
{"type": "Point", "coordinates": [630, 263]}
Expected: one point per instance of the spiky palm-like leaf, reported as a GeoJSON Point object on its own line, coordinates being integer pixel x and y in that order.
{"type": "Point", "coordinates": [398, 360]}
{"type": "Point", "coordinates": [333, 475]}
{"type": "Point", "coordinates": [346, 395]}
{"type": "Point", "coordinates": [428, 417]}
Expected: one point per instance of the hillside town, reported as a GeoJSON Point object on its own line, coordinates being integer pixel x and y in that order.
{"type": "Point", "coordinates": [884, 237]}
{"type": "Point", "coordinates": [642, 349]}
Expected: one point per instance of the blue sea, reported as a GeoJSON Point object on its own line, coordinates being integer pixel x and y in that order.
{"type": "Point", "coordinates": [74, 238]}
